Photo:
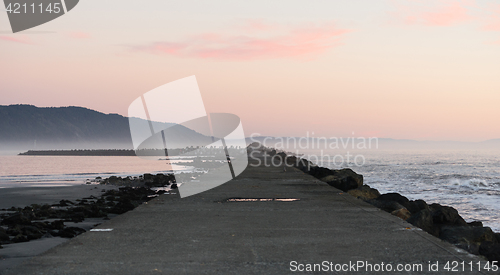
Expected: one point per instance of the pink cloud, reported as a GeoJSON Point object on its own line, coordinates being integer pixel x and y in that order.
{"type": "Point", "coordinates": [446, 16]}
{"type": "Point", "coordinates": [79, 35]}
{"type": "Point", "coordinates": [493, 21]}
{"type": "Point", "coordinates": [162, 48]}
{"type": "Point", "coordinates": [253, 25]}
{"type": "Point", "coordinates": [494, 42]}
{"type": "Point", "coordinates": [297, 42]}
{"type": "Point", "coordinates": [445, 13]}
{"type": "Point", "coordinates": [16, 40]}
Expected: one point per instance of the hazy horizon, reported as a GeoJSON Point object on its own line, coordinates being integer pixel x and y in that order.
{"type": "Point", "coordinates": [307, 134]}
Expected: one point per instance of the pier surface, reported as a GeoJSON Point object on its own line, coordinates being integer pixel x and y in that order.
{"type": "Point", "coordinates": [209, 234]}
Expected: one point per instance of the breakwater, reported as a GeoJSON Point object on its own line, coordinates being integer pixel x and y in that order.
{"type": "Point", "coordinates": [438, 220]}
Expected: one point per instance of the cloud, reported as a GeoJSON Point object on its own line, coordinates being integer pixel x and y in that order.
{"type": "Point", "coordinates": [16, 40]}
{"type": "Point", "coordinates": [448, 13]}
{"type": "Point", "coordinates": [295, 42]}
{"type": "Point", "coordinates": [162, 48]}
{"type": "Point", "coordinates": [492, 22]}
{"type": "Point", "coordinates": [494, 42]}
{"type": "Point", "coordinates": [79, 35]}
{"type": "Point", "coordinates": [432, 13]}
{"type": "Point", "coordinates": [256, 25]}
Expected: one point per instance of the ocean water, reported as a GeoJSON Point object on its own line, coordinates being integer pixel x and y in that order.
{"type": "Point", "coordinates": [468, 180]}
{"type": "Point", "coordinates": [46, 171]}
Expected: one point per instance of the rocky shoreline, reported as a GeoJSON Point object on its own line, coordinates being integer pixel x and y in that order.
{"type": "Point", "coordinates": [44, 220]}
{"type": "Point", "coordinates": [438, 220]}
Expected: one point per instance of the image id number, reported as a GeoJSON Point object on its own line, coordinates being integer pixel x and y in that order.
{"type": "Point", "coordinates": [33, 8]}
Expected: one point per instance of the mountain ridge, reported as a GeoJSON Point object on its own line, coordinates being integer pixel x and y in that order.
{"type": "Point", "coordinates": [27, 127]}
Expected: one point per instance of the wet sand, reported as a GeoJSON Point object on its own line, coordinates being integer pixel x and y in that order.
{"type": "Point", "coordinates": [24, 196]}
{"type": "Point", "coordinates": [14, 254]}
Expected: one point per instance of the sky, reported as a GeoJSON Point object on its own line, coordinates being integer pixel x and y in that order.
{"type": "Point", "coordinates": [403, 69]}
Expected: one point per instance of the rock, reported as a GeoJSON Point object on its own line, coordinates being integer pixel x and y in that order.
{"type": "Point", "coordinates": [475, 223]}
{"type": "Point", "coordinates": [44, 211]}
{"type": "Point", "coordinates": [115, 179]}
{"type": "Point", "coordinates": [3, 235]}
{"type": "Point", "coordinates": [412, 207]}
{"type": "Point", "coordinates": [157, 180]}
{"type": "Point", "coordinates": [300, 163]}
{"type": "Point", "coordinates": [420, 205]}
{"type": "Point", "coordinates": [387, 206]}
{"type": "Point", "coordinates": [122, 207]}
{"type": "Point", "coordinates": [321, 172]}
{"type": "Point", "coordinates": [445, 215]}
{"type": "Point", "coordinates": [58, 225]}
{"type": "Point", "coordinates": [76, 217]}
{"type": "Point", "coordinates": [15, 230]}
{"type": "Point", "coordinates": [472, 248]}
{"type": "Point", "coordinates": [364, 192]}
{"type": "Point", "coordinates": [65, 203]}
{"type": "Point", "coordinates": [467, 234]}
{"type": "Point", "coordinates": [100, 201]}
{"type": "Point", "coordinates": [402, 213]}
{"type": "Point", "coordinates": [18, 218]}
{"type": "Point", "coordinates": [20, 238]}
{"type": "Point", "coordinates": [423, 220]}
{"type": "Point", "coordinates": [491, 251]}
{"type": "Point", "coordinates": [497, 235]}
{"type": "Point", "coordinates": [42, 226]}
{"type": "Point", "coordinates": [344, 179]}
{"type": "Point", "coordinates": [32, 233]}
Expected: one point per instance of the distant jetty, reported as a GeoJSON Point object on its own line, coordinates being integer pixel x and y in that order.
{"type": "Point", "coordinates": [110, 152]}
{"type": "Point", "coordinates": [188, 151]}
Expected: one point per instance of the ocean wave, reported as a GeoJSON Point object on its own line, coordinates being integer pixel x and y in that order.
{"type": "Point", "coordinates": [472, 183]}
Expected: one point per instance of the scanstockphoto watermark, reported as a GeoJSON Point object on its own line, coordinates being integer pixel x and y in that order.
{"type": "Point", "coordinates": [355, 266]}
{"type": "Point", "coordinates": [329, 151]}
{"type": "Point", "coordinates": [170, 121]}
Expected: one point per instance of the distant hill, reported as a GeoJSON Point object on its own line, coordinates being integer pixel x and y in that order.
{"type": "Point", "coordinates": [24, 127]}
